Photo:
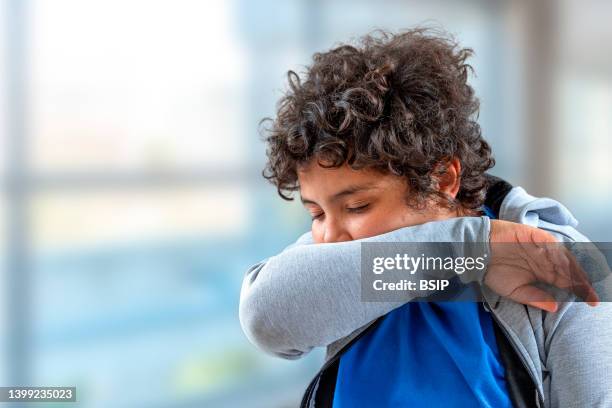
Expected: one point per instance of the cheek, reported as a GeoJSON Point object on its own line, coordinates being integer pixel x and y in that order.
{"type": "Point", "coordinates": [368, 225]}
{"type": "Point", "coordinates": [380, 222]}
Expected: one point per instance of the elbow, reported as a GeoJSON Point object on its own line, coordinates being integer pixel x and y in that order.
{"type": "Point", "coordinates": [254, 322]}
{"type": "Point", "coordinates": [255, 314]}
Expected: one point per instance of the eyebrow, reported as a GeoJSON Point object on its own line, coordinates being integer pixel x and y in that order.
{"type": "Point", "coordinates": [347, 191]}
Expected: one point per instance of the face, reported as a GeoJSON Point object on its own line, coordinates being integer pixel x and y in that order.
{"type": "Point", "coordinates": [347, 204]}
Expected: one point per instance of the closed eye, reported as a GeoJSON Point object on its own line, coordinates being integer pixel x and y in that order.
{"type": "Point", "coordinates": [359, 209]}
{"type": "Point", "coordinates": [316, 216]}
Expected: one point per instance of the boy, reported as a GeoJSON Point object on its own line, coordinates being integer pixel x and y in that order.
{"type": "Point", "coordinates": [381, 141]}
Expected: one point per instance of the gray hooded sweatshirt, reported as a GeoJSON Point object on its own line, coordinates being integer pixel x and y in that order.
{"type": "Point", "coordinates": [309, 296]}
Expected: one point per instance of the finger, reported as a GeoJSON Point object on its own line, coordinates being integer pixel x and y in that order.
{"type": "Point", "coordinates": [547, 258]}
{"type": "Point", "coordinates": [534, 255]}
{"type": "Point", "coordinates": [582, 285]}
{"type": "Point", "coordinates": [566, 270]}
{"type": "Point", "coordinates": [536, 297]}
{"type": "Point", "coordinates": [557, 256]}
{"type": "Point", "coordinates": [586, 293]}
{"type": "Point", "coordinates": [550, 307]}
{"type": "Point", "coordinates": [563, 278]}
{"type": "Point", "coordinates": [571, 276]}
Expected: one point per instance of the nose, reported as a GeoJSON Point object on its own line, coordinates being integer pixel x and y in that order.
{"type": "Point", "coordinates": [335, 232]}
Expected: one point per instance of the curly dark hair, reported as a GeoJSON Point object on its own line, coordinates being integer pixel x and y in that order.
{"type": "Point", "coordinates": [395, 103]}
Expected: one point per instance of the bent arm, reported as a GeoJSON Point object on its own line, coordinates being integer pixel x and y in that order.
{"type": "Point", "coordinates": [577, 338]}
{"type": "Point", "coordinates": [310, 295]}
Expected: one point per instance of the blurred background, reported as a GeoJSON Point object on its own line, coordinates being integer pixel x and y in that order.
{"type": "Point", "coordinates": [132, 201]}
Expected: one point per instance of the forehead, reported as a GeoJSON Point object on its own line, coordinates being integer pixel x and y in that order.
{"type": "Point", "coordinates": [314, 172]}
{"type": "Point", "coordinates": [315, 180]}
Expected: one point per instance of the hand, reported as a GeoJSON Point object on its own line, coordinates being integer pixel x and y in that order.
{"type": "Point", "coordinates": [522, 255]}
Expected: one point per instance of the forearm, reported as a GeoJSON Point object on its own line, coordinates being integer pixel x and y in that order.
{"type": "Point", "coordinates": [310, 295]}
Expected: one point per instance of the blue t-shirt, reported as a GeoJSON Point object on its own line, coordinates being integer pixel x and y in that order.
{"type": "Point", "coordinates": [425, 354]}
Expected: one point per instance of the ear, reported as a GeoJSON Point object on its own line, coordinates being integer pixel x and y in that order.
{"type": "Point", "coordinates": [448, 176]}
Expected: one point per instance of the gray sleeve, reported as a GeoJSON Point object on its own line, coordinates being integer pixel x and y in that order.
{"type": "Point", "coordinates": [309, 295]}
{"type": "Point", "coordinates": [577, 354]}
{"type": "Point", "coordinates": [577, 340]}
